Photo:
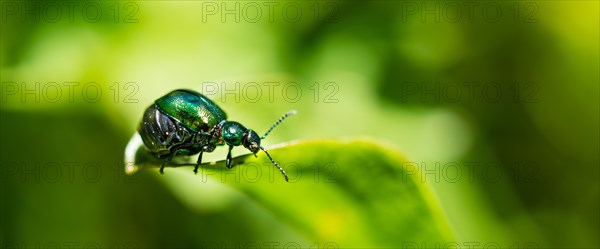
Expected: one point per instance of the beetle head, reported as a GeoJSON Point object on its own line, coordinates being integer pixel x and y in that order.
{"type": "Point", "coordinates": [251, 141]}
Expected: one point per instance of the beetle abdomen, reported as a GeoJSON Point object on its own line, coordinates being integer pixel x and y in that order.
{"type": "Point", "coordinates": [164, 135]}
{"type": "Point", "coordinates": [192, 109]}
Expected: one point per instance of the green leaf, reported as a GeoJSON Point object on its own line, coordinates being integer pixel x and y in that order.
{"type": "Point", "coordinates": [353, 193]}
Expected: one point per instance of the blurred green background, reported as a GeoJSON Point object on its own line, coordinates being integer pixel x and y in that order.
{"type": "Point", "coordinates": [493, 105]}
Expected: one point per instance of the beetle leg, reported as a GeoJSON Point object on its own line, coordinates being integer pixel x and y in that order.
{"type": "Point", "coordinates": [162, 167]}
{"type": "Point", "coordinates": [229, 166]}
{"type": "Point", "coordinates": [198, 162]}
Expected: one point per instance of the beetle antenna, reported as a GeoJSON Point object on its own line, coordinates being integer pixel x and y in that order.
{"type": "Point", "coordinates": [287, 114]}
{"type": "Point", "coordinates": [276, 165]}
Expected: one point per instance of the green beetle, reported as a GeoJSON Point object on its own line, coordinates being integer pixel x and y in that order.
{"type": "Point", "coordinates": [185, 122]}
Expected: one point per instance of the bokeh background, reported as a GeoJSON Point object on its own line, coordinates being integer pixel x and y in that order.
{"type": "Point", "coordinates": [496, 103]}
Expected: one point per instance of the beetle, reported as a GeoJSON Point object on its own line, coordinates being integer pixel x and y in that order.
{"type": "Point", "coordinates": [185, 122]}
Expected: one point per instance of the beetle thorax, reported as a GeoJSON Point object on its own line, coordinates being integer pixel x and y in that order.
{"type": "Point", "coordinates": [235, 134]}
{"type": "Point", "coordinates": [232, 133]}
